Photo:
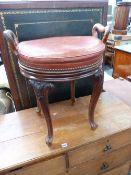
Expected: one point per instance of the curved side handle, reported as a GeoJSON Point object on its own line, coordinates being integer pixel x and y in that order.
{"type": "Point", "coordinates": [12, 40]}
{"type": "Point", "coordinates": [100, 28]}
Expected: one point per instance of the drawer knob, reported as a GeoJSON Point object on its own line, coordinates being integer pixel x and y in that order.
{"type": "Point", "coordinates": [104, 166]}
{"type": "Point", "coordinates": [107, 148]}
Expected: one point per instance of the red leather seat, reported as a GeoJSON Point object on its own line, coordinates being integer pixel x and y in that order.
{"type": "Point", "coordinates": [60, 52]}
{"type": "Point", "coordinates": [66, 58]}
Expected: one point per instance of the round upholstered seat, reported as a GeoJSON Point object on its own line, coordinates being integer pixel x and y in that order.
{"type": "Point", "coordinates": [60, 52]}
{"type": "Point", "coordinates": [66, 58]}
{"type": "Point", "coordinates": [60, 58]}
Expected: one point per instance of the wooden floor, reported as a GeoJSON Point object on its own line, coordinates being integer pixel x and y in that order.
{"type": "Point", "coordinates": [22, 134]}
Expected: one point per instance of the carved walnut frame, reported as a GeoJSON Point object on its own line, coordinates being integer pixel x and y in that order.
{"type": "Point", "coordinates": [42, 80]}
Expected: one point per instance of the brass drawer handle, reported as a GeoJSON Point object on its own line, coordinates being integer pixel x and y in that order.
{"type": "Point", "coordinates": [107, 148]}
{"type": "Point", "coordinates": [104, 166]}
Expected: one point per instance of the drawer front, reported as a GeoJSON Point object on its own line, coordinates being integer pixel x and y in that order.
{"type": "Point", "coordinates": [53, 166]}
{"type": "Point", "coordinates": [122, 170]}
{"type": "Point", "coordinates": [101, 147]}
{"type": "Point", "coordinates": [103, 163]}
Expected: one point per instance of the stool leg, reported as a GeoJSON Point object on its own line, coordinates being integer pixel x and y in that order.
{"type": "Point", "coordinates": [72, 91]}
{"type": "Point", "coordinates": [38, 108]}
{"type": "Point", "coordinates": [41, 91]}
{"type": "Point", "coordinates": [97, 89]}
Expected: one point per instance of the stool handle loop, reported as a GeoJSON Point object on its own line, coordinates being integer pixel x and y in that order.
{"type": "Point", "coordinates": [12, 40]}
{"type": "Point", "coordinates": [100, 28]}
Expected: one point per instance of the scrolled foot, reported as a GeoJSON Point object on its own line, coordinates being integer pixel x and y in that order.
{"type": "Point", "coordinates": [49, 140]}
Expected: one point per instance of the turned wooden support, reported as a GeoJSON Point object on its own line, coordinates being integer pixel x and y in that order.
{"type": "Point", "coordinates": [121, 18]}
{"type": "Point", "coordinates": [41, 90]}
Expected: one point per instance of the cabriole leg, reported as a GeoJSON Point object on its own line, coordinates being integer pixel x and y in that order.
{"type": "Point", "coordinates": [72, 86]}
{"type": "Point", "coordinates": [97, 89]}
{"type": "Point", "coordinates": [41, 91]}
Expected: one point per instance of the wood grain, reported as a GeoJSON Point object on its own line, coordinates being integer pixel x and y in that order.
{"type": "Point", "coordinates": [121, 19]}
{"type": "Point", "coordinates": [22, 133]}
{"type": "Point", "coordinates": [50, 167]}
{"type": "Point", "coordinates": [102, 147]}
{"type": "Point", "coordinates": [122, 170]}
{"type": "Point", "coordinates": [97, 166]}
{"type": "Point", "coordinates": [122, 64]}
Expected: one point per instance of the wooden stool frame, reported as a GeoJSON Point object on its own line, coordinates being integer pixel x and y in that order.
{"type": "Point", "coordinates": [42, 80]}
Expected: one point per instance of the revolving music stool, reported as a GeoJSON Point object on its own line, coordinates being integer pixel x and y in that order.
{"type": "Point", "coordinates": [59, 59]}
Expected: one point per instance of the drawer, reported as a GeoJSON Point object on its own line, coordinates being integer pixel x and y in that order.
{"type": "Point", "coordinates": [122, 170]}
{"type": "Point", "coordinates": [53, 166]}
{"type": "Point", "coordinates": [103, 163]}
{"type": "Point", "coordinates": [101, 147]}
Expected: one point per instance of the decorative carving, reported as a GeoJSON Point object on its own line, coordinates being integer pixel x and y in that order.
{"type": "Point", "coordinates": [39, 86]}
{"type": "Point", "coordinates": [100, 28]}
{"type": "Point", "coordinates": [60, 76]}
{"type": "Point", "coordinates": [41, 90]}
{"type": "Point", "coordinates": [65, 70]}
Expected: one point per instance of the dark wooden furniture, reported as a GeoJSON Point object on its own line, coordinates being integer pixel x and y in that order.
{"type": "Point", "coordinates": [121, 18]}
{"type": "Point", "coordinates": [76, 149]}
{"type": "Point", "coordinates": [60, 59]}
{"type": "Point", "coordinates": [122, 61]}
{"type": "Point", "coordinates": [112, 42]}
{"type": "Point", "coordinates": [37, 19]}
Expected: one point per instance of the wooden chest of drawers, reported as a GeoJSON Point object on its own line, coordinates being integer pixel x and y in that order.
{"type": "Point", "coordinates": [122, 61]}
{"type": "Point", "coordinates": [76, 149]}
{"type": "Point", "coordinates": [113, 41]}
